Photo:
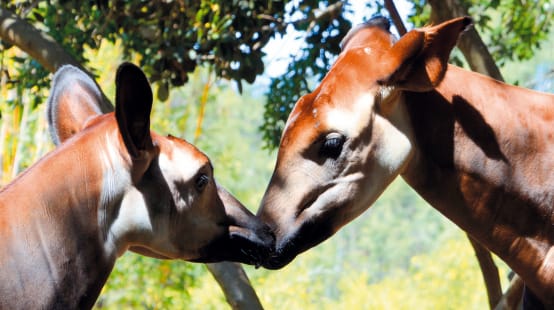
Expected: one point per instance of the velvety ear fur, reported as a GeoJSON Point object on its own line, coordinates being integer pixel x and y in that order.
{"type": "Point", "coordinates": [73, 99]}
{"type": "Point", "coordinates": [132, 109]}
{"type": "Point", "coordinates": [418, 61]}
{"type": "Point", "coordinates": [356, 36]}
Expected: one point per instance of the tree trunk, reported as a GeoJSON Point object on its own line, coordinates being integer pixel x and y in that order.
{"type": "Point", "coordinates": [235, 285]}
{"type": "Point", "coordinates": [16, 31]}
{"type": "Point", "coordinates": [489, 271]}
{"type": "Point", "coordinates": [511, 300]}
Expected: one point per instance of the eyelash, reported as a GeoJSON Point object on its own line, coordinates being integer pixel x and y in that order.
{"type": "Point", "coordinates": [201, 181]}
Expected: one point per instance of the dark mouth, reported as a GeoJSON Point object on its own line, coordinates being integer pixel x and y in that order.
{"type": "Point", "coordinates": [308, 234]}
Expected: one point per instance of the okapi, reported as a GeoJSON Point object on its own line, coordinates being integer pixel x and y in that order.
{"type": "Point", "coordinates": [479, 151]}
{"type": "Point", "coordinates": [112, 185]}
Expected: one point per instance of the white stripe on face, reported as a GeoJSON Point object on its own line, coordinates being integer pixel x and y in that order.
{"type": "Point", "coordinates": [350, 119]}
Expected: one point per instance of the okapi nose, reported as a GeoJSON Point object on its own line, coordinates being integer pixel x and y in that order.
{"type": "Point", "coordinates": [257, 245]}
{"type": "Point", "coordinates": [248, 235]}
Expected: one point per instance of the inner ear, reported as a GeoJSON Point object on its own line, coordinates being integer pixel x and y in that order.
{"type": "Point", "coordinates": [74, 98]}
{"type": "Point", "coordinates": [133, 106]}
{"type": "Point", "coordinates": [418, 61]}
{"type": "Point", "coordinates": [401, 61]}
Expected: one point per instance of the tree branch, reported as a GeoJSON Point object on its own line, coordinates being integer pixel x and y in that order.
{"type": "Point", "coordinates": [328, 13]}
{"type": "Point", "coordinates": [40, 46]}
{"type": "Point", "coordinates": [396, 19]}
{"type": "Point", "coordinates": [490, 272]}
{"type": "Point", "coordinates": [37, 44]}
{"type": "Point", "coordinates": [511, 300]}
{"type": "Point", "coordinates": [235, 285]}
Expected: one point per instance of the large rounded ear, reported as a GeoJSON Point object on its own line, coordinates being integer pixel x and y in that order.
{"type": "Point", "coordinates": [418, 61]}
{"type": "Point", "coordinates": [133, 104]}
{"type": "Point", "coordinates": [74, 98]}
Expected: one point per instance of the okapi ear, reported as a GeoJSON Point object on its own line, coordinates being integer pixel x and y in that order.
{"type": "Point", "coordinates": [133, 104]}
{"type": "Point", "coordinates": [74, 99]}
{"type": "Point", "coordinates": [418, 61]}
{"type": "Point", "coordinates": [358, 35]}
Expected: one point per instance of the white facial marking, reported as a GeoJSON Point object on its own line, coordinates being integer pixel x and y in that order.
{"type": "Point", "coordinates": [353, 119]}
{"type": "Point", "coordinates": [367, 50]}
{"type": "Point", "coordinates": [182, 166]}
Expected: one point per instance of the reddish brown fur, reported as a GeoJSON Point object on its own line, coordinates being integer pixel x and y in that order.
{"type": "Point", "coordinates": [481, 150]}
{"type": "Point", "coordinates": [484, 159]}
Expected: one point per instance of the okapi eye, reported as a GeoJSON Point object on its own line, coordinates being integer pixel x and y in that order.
{"type": "Point", "coordinates": [332, 146]}
{"type": "Point", "coordinates": [201, 181]}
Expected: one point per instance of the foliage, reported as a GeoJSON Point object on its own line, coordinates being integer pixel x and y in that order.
{"type": "Point", "coordinates": [514, 28]}
{"type": "Point", "coordinates": [22, 128]}
{"type": "Point", "coordinates": [535, 73]}
{"type": "Point", "coordinates": [142, 282]}
{"type": "Point", "coordinates": [171, 36]}
{"type": "Point", "coordinates": [511, 29]}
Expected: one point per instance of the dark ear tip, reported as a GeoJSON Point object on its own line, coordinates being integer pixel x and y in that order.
{"type": "Point", "coordinates": [467, 22]}
{"type": "Point", "coordinates": [127, 68]}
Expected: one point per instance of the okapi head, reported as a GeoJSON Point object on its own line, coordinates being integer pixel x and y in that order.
{"type": "Point", "coordinates": [158, 195]}
{"type": "Point", "coordinates": [347, 140]}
